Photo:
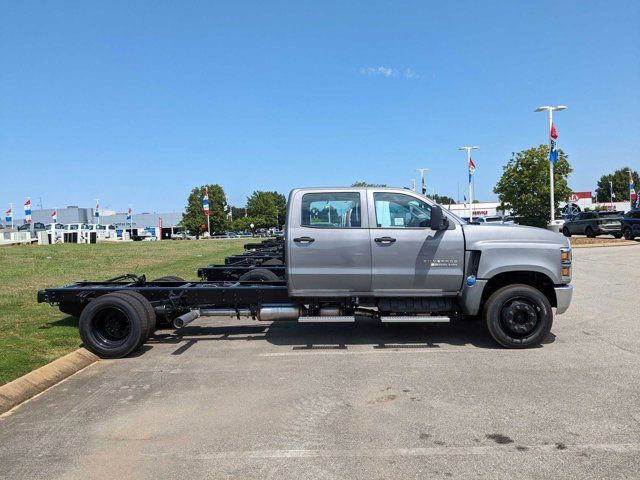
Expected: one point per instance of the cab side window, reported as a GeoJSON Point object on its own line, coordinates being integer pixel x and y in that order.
{"type": "Point", "coordinates": [331, 210]}
{"type": "Point", "coordinates": [396, 210]}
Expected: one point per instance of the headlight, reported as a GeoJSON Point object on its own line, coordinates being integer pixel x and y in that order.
{"type": "Point", "coordinates": [565, 261]}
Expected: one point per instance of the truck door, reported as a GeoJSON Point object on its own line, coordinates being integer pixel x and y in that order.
{"type": "Point", "coordinates": [408, 258]}
{"type": "Point", "coordinates": [328, 247]}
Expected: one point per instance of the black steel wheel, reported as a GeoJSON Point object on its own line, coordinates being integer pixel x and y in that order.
{"type": "Point", "coordinates": [113, 326]}
{"type": "Point", "coordinates": [590, 233]}
{"type": "Point", "coordinates": [148, 308]}
{"type": "Point", "coordinates": [566, 232]}
{"type": "Point", "coordinates": [518, 316]}
{"type": "Point", "coordinates": [628, 234]}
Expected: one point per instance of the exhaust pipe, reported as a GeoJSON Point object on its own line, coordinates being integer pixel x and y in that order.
{"type": "Point", "coordinates": [186, 318]}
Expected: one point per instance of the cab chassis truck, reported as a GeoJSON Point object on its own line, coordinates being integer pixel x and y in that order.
{"type": "Point", "coordinates": [386, 254]}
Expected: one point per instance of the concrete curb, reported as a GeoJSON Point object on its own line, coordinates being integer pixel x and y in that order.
{"type": "Point", "coordinates": [33, 383]}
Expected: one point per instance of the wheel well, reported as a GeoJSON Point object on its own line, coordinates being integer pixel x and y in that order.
{"type": "Point", "coordinates": [536, 280]}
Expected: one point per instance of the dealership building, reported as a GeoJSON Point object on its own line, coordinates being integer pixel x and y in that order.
{"type": "Point", "coordinates": [74, 214]}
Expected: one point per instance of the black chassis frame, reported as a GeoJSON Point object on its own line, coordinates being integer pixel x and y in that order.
{"type": "Point", "coordinates": [214, 273]}
{"type": "Point", "coordinates": [171, 299]}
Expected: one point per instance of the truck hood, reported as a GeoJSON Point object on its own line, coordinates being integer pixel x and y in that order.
{"type": "Point", "coordinates": [478, 235]}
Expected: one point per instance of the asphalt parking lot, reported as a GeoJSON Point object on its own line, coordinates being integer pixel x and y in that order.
{"type": "Point", "coordinates": [247, 400]}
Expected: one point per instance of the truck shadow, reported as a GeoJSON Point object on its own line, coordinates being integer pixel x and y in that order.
{"type": "Point", "coordinates": [294, 336]}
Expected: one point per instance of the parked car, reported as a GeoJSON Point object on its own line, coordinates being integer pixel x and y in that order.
{"type": "Point", "coordinates": [489, 219]}
{"type": "Point", "coordinates": [593, 224]}
{"type": "Point", "coordinates": [31, 227]}
{"type": "Point", "coordinates": [631, 224]}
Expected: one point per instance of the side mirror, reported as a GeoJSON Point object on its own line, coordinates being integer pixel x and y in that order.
{"type": "Point", "coordinates": [438, 220]}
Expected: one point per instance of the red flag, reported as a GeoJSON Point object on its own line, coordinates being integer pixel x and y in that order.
{"type": "Point", "coordinates": [554, 132]}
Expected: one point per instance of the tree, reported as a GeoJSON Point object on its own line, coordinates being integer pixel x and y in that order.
{"type": "Point", "coordinates": [620, 179]}
{"type": "Point", "coordinates": [524, 185]}
{"type": "Point", "coordinates": [193, 218]}
{"type": "Point", "coordinates": [365, 184]}
{"type": "Point", "coordinates": [269, 209]}
{"type": "Point", "coordinates": [443, 199]}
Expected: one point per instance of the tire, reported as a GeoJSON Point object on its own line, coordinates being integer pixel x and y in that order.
{"type": "Point", "coordinates": [628, 234]}
{"type": "Point", "coordinates": [518, 316]}
{"type": "Point", "coordinates": [274, 262]}
{"type": "Point", "coordinates": [151, 313]}
{"type": "Point", "coordinates": [566, 232]}
{"type": "Point", "coordinates": [259, 275]}
{"type": "Point", "coordinates": [169, 279]}
{"type": "Point", "coordinates": [113, 325]}
{"type": "Point", "coordinates": [590, 233]}
{"type": "Point", "coordinates": [617, 235]}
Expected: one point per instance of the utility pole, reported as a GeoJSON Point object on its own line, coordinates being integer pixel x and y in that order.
{"type": "Point", "coordinates": [423, 185]}
{"type": "Point", "coordinates": [551, 163]}
{"type": "Point", "coordinates": [471, 172]}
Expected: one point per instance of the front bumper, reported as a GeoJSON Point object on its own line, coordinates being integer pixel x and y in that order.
{"type": "Point", "coordinates": [563, 298]}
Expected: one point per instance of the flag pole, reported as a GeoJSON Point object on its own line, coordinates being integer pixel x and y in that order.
{"type": "Point", "coordinates": [551, 171]}
{"type": "Point", "coordinates": [11, 208]}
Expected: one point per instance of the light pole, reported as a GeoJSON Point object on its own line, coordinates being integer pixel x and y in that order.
{"type": "Point", "coordinates": [468, 149]}
{"type": "Point", "coordinates": [551, 179]}
{"type": "Point", "coordinates": [611, 193]}
{"type": "Point", "coordinates": [413, 184]}
{"type": "Point", "coordinates": [423, 185]}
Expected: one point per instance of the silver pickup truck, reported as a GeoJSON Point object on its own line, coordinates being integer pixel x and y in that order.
{"type": "Point", "coordinates": [386, 254]}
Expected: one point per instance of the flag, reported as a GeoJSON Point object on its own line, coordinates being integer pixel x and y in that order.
{"type": "Point", "coordinates": [205, 201]}
{"type": "Point", "coordinates": [472, 168]}
{"type": "Point", "coordinates": [553, 136]}
{"type": "Point", "coordinates": [129, 214]}
{"type": "Point", "coordinates": [9, 215]}
{"type": "Point", "coordinates": [97, 213]}
{"type": "Point", "coordinates": [632, 190]}
{"type": "Point", "coordinates": [27, 211]}
{"type": "Point", "coordinates": [54, 216]}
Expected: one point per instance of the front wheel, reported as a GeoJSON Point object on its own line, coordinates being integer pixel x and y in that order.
{"type": "Point", "coordinates": [617, 235]}
{"type": "Point", "coordinates": [518, 316]}
{"type": "Point", "coordinates": [566, 232]}
{"type": "Point", "coordinates": [590, 233]}
{"type": "Point", "coordinates": [628, 234]}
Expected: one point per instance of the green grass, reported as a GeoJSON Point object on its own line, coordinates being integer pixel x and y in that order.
{"type": "Point", "coordinates": [33, 334]}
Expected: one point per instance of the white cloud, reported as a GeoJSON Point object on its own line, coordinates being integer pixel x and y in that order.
{"type": "Point", "coordinates": [411, 74]}
{"type": "Point", "coordinates": [379, 71]}
{"type": "Point", "coordinates": [388, 72]}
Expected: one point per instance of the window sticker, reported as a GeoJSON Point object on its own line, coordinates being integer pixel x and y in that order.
{"type": "Point", "coordinates": [398, 222]}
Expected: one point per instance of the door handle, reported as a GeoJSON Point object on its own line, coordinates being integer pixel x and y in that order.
{"type": "Point", "coordinates": [384, 240]}
{"type": "Point", "coordinates": [304, 240]}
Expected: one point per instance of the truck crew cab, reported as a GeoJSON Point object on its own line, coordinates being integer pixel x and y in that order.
{"type": "Point", "coordinates": [387, 254]}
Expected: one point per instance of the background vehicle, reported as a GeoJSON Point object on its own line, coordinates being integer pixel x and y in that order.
{"type": "Point", "coordinates": [593, 224]}
{"type": "Point", "coordinates": [33, 227]}
{"type": "Point", "coordinates": [631, 224]}
{"type": "Point", "coordinates": [489, 219]}
{"type": "Point", "coordinates": [389, 255]}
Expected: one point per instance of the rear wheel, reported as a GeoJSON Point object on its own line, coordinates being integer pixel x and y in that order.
{"type": "Point", "coordinates": [273, 262]}
{"type": "Point", "coordinates": [566, 232]}
{"type": "Point", "coordinates": [590, 233]}
{"type": "Point", "coordinates": [259, 275]}
{"type": "Point", "coordinates": [628, 234]}
{"type": "Point", "coordinates": [518, 316]}
{"type": "Point", "coordinates": [148, 308]}
{"type": "Point", "coordinates": [617, 235]}
{"type": "Point", "coordinates": [113, 325]}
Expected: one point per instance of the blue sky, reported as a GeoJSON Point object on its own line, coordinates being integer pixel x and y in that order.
{"type": "Point", "coordinates": [136, 102]}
